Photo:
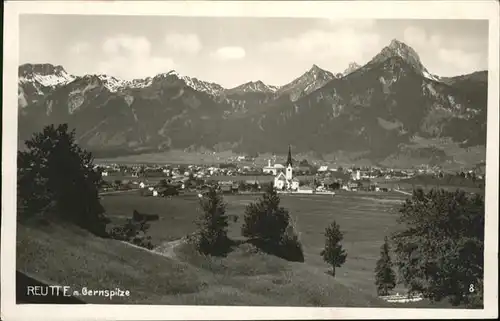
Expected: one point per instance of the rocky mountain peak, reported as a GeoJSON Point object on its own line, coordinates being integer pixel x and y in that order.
{"type": "Point", "coordinates": [253, 86]}
{"type": "Point", "coordinates": [353, 66]}
{"type": "Point", "coordinates": [316, 73]}
{"type": "Point", "coordinates": [399, 49]}
{"type": "Point", "coordinates": [46, 69]}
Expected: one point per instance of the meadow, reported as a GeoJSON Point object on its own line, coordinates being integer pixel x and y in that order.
{"type": "Point", "coordinates": [365, 219]}
{"type": "Point", "coordinates": [67, 255]}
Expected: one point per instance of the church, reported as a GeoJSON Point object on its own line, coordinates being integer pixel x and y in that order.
{"type": "Point", "coordinates": [286, 181]}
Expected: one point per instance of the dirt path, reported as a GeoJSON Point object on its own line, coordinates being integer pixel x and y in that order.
{"type": "Point", "coordinates": [166, 249]}
{"type": "Point", "coordinates": [119, 192]}
{"type": "Point", "coordinates": [402, 192]}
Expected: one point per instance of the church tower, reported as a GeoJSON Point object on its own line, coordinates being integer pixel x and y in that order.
{"type": "Point", "coordinates": [289, 171]}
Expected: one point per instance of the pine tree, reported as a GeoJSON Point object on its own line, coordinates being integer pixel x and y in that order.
{"type": "Point", "coordinates": [385, 278]}
{"type": "Point", "coordinates": [57, 181]}
{"type": "Point", "coordinates": [211, 237]}
{"type": "Point", "coordinates": [266, 220]}
{"type": "Point", "coordinates": [333, 253]}
{"type": "Point", "coordinates": [268, 225]}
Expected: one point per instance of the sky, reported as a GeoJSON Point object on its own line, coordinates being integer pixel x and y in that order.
{"type": "Point", "coordinates": [231, 51]}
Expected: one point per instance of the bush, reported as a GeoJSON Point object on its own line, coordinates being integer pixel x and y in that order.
{"type": "Point", "coordinates": [385, 278]}
{"type": "Point", "coordinates": [290, 246]}
{"type": "Point", "coordinates": [440, 253]}
{"type": "Point", "coordinates": [333, 253]}
{"type": "Point", "coordinates": [133, 231]}
{"type": "Point", "coordinates": [269, 227]}
{"type": "Point", "coordinates": [57, 180]}
{"type": "Point", "coordinates": [211, 236]}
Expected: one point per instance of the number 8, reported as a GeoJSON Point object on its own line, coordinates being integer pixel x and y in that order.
{"type": "Point", "coordinates": [471, 288]}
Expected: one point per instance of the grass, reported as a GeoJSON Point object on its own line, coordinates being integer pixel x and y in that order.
{"type": "Point", "coordinates": [59, 255]}
{"type": "Point", "coordinates": [365, 219]}
{"type": "Point", "coordinates": [67, 256]}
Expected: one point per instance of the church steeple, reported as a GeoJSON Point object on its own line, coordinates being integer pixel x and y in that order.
{"type": "Point", "coordinates": [289, 159]}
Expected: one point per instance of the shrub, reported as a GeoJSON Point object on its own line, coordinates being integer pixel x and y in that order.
{"type": "Point", "coordinates": [133, 231]}
{"type": "Point", "coordinates": [290, 245]}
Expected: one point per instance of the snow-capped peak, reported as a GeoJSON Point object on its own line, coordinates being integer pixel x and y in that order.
{"type": "Point", "coordinates": [255, 86]}
{"type": "Point", "coordinates": [204, 86]}
{"type": "Point", "coordinates": [210, 88]}
{"type": "Point", "coordinates": [46, 75]}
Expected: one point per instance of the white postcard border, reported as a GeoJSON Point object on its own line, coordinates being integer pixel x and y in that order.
{"type": "Point", "coordinates": [336, 10]}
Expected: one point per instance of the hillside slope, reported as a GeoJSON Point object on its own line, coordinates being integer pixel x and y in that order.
{"type": "Point", "coordinates": [69, 256]}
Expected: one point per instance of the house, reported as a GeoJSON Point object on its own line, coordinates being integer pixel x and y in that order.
{"type": "Point", "coordinates": [323, 169]}
{"type": "Point", "coordinates": [226, 188]}
{"type": "Point", "coordinates": [280, 181]}
{"type": "Point", "coordinates": [142, 185]}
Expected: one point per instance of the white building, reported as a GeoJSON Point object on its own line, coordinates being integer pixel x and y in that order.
{"type": "Point", "coordinates": [273, 169]}
{"type": "Point", "coordinates": [286, 181]}
{"type": "Point", "coordinates": [323, 168]}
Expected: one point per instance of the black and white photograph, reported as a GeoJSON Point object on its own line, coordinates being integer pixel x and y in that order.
{"type": "Point", "coordinates": [206, 154]}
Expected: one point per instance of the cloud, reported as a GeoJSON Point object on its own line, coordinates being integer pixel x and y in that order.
{"type": "Point", "coordinates": [79, 48]}
{"type": "Point", "coordinates": [463, 62]}
{"type": "Point", "coordinates": [184, 43]}
{"type": "Point", "coordinates": [452, 58]}
{"type": "Point", "coordinates": [127, 45]}
{"type": "Point", "coordinates": [415, 37]}
{"type": "Point", "coordinates": [229, 53]}
{"type": "Point", "coordinates": [130, 57]}
{"type": "Point", "coordinates": [345, 44]}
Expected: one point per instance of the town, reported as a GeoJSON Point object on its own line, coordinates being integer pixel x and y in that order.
{"type": "Point", "coordinates": [242, 175]}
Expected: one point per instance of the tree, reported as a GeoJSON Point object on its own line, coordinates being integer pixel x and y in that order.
{"type": "Point", "coordinates": [304, 162]}
{"type": "Point", "coordinates": [133, 231]}
{"type": "Point", "coordinates": [440, 252]}
{"type": "Point", "coordinates": [333, 253]}
{"type": "Point", "coordinates": [211, 236]}
{"type": "Point", "coordinates": [57, 181]}
{"type": "Point", "coordinates": [385, 278]}
{"type": "Point", "coordinates": [265, 219]}
{"type": "Point", "coordinates": [118, 183]}
{"type": "Point", "coordinates": [268, 225]}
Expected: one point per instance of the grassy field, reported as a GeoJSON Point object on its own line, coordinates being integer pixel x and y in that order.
{"type": "Point", "coordinates": [365, 219]}
{"type": "Point", "coordinates": [67, 256]}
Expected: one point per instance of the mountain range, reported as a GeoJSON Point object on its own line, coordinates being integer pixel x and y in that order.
{"type": "Point", "coordinates": [378, 111]}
